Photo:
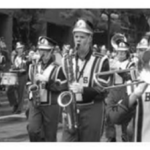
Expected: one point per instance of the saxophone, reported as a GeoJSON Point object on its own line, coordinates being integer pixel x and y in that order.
{"type": "Point", "coordinates": [67, 99]}
{"type": "Point", "coordinates": [35, 87]}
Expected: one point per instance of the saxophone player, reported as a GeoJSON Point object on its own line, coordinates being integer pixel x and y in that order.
{"type": "Point", "coordinates": [91, 100]}
{"type": "Point", "coordinates": [43, 108]}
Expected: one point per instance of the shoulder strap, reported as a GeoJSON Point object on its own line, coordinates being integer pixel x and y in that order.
{"type": "Point", "coordinates": [97, 54]}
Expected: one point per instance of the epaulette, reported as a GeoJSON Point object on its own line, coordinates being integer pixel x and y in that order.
{"type": "Point", "coordinates": [97, 54]}
{"type": "Point", "coordinates": [74, 54]}
{"type": "Point", "coordinates": [56, 64]}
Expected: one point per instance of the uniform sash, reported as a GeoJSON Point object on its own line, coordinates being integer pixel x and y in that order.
{"type": "Point", "coordinates": [49, 73]}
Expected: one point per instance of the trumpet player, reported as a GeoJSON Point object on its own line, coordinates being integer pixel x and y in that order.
{"type": "Point", "coordinates": [119, 96]}
{"type": "Point", "coordinates": [90, 103]}
{"type": "Point", "coordinates": [141, 98]}
{"type": "Point", "coordinates": [43, 108]}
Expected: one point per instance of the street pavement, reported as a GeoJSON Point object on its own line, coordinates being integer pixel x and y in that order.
{"type": "Point", "coordinates": [13, 126]}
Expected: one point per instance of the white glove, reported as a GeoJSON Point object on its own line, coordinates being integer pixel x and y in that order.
{"type": "Point", "coordinates": [40, 77]}
{"type": "Point", "coordinates": [76, 87]}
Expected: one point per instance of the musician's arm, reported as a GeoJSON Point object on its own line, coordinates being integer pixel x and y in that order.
{"type": "Point", "coordinates": [90, 93]}
{"type": "Point", "coordinates": [126, 75]}
{"type": "Point", "coordinates": [60, 84]}
{"type": "Point", "coordinates": [137, 93]}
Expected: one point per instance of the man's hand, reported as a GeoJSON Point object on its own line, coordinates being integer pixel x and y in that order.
{"type": "Point", "coordinates": [76, 87]}
{"type": "Point", "coordinates": [40, 77]}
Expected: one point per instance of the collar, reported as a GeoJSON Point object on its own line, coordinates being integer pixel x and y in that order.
{"type": "Point", "coordinates": [88, 55]}
{"type": "Point", "coordinates": [44, 66]}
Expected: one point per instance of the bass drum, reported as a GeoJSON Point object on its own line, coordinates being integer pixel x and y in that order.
{"type": "Point", "coordinates": [9, 79]}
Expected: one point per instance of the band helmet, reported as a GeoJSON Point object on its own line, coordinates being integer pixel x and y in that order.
{"type": "Point", "coordinates": [103, 47]}
{"type": "Point", "coordinates": [143, 44]}
{"type": "Point", "coordinates": [19, 45]}
{"type": "Point", "coordinates": [45, 43]}
{"type": "Point", "coordinates": [122, 46]}
{"type": "Point", "coordinates": [83, 25]}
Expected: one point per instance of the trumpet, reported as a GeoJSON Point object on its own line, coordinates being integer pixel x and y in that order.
{"type": "Point", "coordinates": [110, 83]}
{"type": "Point", "coordinates": [117, 37]}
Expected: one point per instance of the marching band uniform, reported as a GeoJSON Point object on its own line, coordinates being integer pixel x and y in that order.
{"type": "Point", "coordinates": [58, 56]}
{"type": "Point", "coordinates": [43, 119]}
{"type": "Point", "coordinates": [2, 65]}
{"type": "Point", "coordinates": [16, 95]}
{"type": "Point", "coordinates": [140, 97]}
{"type": "Point", "coordinates": [91, 107]}
{"type": "Point", "coordinates": [2, 61]}
{"type": "Point", "coordinates": [119, 96]}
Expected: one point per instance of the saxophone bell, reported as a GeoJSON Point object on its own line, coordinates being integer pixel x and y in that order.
{"type": "Point", "coordinates": [33, 88]}
{"type": "Point", "coordinates": [65, 99]}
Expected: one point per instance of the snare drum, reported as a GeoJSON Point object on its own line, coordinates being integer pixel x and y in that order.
{"type": "Point", "coordinates": [9, 79]}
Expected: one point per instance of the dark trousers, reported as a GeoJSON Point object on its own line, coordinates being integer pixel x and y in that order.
{"type": "Point", "coordinates": [21, 90]}
{"type": "Point", "coordinates": [110, 129]}
{"type": "Point", "coordinates": [12, 95]}
{"type": "Point", "coordinates": [115, 113]}
{"type": "Point", "coordinates": [43, 122]}
{"type": "Point", "coordinates": [16, 94]}
{"type": "Point", "coordinates": [91, 119]}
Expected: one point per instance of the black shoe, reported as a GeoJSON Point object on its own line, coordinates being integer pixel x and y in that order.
{"type": "Point", "coordinates": [15, 108]}
{"type": "Point", "coordinates": [125, 139]}
{"type": "Point", "coordinates": [111, 140]}
{"type": "Point", "coordinates": [27, 113]}
{"type": "Point", "coordinates": [18, 112]}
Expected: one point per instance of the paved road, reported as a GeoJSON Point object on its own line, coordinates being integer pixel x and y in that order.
{"type": "Point", "coordinates": [13, 127]}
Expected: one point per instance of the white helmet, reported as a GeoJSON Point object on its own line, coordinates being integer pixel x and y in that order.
{"type": "Point", "coordinates": [103, 47]}
{"type": "Point", "coordinates": [83, 26]}
{"type": "Point", "coordinates": [19, 45]}
{"type": "Point", "coordinates": [122, 46]}
{"type": "Point", "coordinates": [143, 44]}
{"type": "Point", "coordinates": [45, 43]}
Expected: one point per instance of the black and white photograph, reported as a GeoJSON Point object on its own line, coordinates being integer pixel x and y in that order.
{"type": "Point", "coordinates": [74, 74]}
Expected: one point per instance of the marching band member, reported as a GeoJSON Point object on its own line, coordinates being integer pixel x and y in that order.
{"type": "Point", "coordinates": [16, 95]}
{"type": "Point", "coordinates": [103, 50]}
{"type": "Point", "coordinates": [91, 102]}
{"type": "Point", "coordinates": [141, 97]}
{"type": "Point", "coordinates": [43, 107]}
{"type": "Point", "coordinates": [58, 56]}
{"type": "Point", "coordinates": [119, 95]}
{"type": "Point", "coordinates": [2, 65]}
{"type": "Point", "coordinates": [2, 60]}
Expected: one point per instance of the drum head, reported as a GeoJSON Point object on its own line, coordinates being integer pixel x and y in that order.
{"type": "Point", "coordinates": [9, 78]}
{"type": "Point", "coordinates": [17, 71]}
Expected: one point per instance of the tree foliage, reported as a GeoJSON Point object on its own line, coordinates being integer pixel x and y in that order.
{"type": "Point", "coordinates": [132, 22]}
{"type": "Point", "coordinates": [26, 25]}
